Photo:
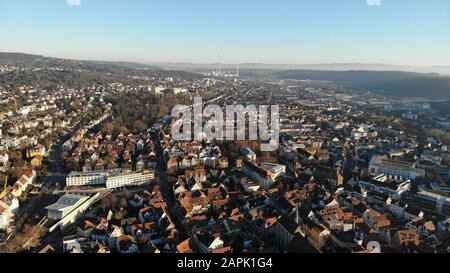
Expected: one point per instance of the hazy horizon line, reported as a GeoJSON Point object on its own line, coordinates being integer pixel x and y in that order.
{"type": "Point", "coordinates": [149, 63]}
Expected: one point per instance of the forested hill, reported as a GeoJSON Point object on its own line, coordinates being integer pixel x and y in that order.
{"type": "Point", "coordinates": [394, 83]}
{"type": "Point", "coordinates": [37, 61]}
{"type": "Point", "coordinates": [48, 71]}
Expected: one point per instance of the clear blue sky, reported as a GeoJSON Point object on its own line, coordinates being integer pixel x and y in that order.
{"type": "Point", "coordinates": [407, 32]}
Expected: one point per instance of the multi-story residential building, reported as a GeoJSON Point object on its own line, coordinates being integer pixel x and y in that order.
{"type": "Point", "coordinates": [285, 230]}
{"type": "Point", "coordinates": [275, 170]}
{"type": "Point", "coordinates": [400, 170]}
{"type": "Point", "coordinates": [264, 177]}
{"type": "Point", "coordinates": [23, 182]}
{"type": "Point", "coordinates": [431, 202]}
{"type": "Point", "coordinates": [87, 178]}
{"type": "Point", "coordinates": [248, 154]}
{"type": "Point", "coordinates": [375, 219]}
{"type": "Point", "coordinates": [199, 174]}
{"type": "Point", "coordinates": [114, 178]}
{"type": "Point", "coordinates": [129, 179]}
{"type": "Point", "coordinates": [38, 150]}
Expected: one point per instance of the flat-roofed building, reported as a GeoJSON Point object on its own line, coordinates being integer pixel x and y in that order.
{"type": "Point", "coordinates": [65, 205]}
{"type": "Point", "coordinates": [276, 169]}
{"type": "Point", "coordinates": [129, 179]}
{"type": "Point", "coordinates": [248, 153]}
{"type": "Point", "coordinates": [400, 170]}
{"type": "Point", "coordinates": [94, 178]}
{"type": "Point", "coordinates": [265, 177]}
{"type": "Point", "coordinates": [432, 202]}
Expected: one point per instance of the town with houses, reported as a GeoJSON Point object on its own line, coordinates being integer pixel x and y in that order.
{"type": "Point", "coordinates": [354, 172]}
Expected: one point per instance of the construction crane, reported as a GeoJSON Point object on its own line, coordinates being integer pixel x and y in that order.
{"type": "Point", "coordinates": [3, 193]}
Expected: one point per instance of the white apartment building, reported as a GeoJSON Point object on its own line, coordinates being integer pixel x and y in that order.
{"type": "Point", "coordinates": [85, 179]}
{"type": "Point", "coordinates": [112, 179]}
{"type": "Point", "coordinates": [277, 170]}
{"type": "Point", "coordinates": [398, 170]}
{"type": "Point", "coordinates": [129, 179]}
{"type": "Point", "coordinates": [93, 178]}
{"type": "Point", "coordinates": [248, 153]}
{"type": "Point", "coordinates": [257, 174]}
{"type": "Point", "coordinates": [432, 202]}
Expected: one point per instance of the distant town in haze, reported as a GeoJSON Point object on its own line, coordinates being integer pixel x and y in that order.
{"type": "Point", "coordinates": [89, 162]}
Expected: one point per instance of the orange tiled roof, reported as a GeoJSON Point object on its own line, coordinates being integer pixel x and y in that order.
{"type": "Point", "coordinates": [222, 250]}
{"type": "Point", "coordinates": [185, 246]}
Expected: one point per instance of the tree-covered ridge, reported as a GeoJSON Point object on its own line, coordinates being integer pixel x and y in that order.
{"type": "Point", "coordinates": [395, 83]}
{"type": "Point", "coordinates": [47, 72]}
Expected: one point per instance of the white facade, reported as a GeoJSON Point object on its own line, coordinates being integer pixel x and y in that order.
{"type": "Point", "coordinates": [129, 179]}
{"type": "Point", "coordinates": [4, 157]}
{"type": "Point", "coordinates": [5, 215]}
{"type": "Point", "coordinates": [277, 169]}
{"type": "Point", "coordinates": [71, 217]}
{"type": "Point", "coordinates": [410, 116]}
{"type": "Point", "coordinates": [22, 184]}
{"type": "Point", "coordinates": [442, 202]}
{"type": "Point", "coordinates": [110, 178]}
{"type": "Point", "coordinates": [361, 132]}
{"type": "Point", "coordinates": [248, 153]}
{"type": "Point", "coordinates": [159, 89]}
{"type": "Point", "coordinates": [257, 174]}
{"type": "Point", "coordinates": [89, 178]}
{"type": "Point", "coordinates": [398, 170]}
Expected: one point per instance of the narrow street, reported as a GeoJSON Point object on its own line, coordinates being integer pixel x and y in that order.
{"type": "Point", "coordinates": [56, 172]}
{"type": "Point", "coordinates": [161, 172]}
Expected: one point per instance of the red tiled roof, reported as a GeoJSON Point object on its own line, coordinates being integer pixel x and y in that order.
{"type": "Point", "coordinates": [222, 250]}
{"type": "Point", "coordinates": [185, 246]}
{"type": "Point", "coordinates": [235, 211]}
{"type": "Point", "coordinates": [220, 203]}
{"type": "Point", "coordinates": [237, 218]}
{"type": "Point", "coordinates": [144, 210]}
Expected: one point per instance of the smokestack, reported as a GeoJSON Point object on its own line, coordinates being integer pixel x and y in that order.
{"type": "Point", "coordinates": [218, 64]}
